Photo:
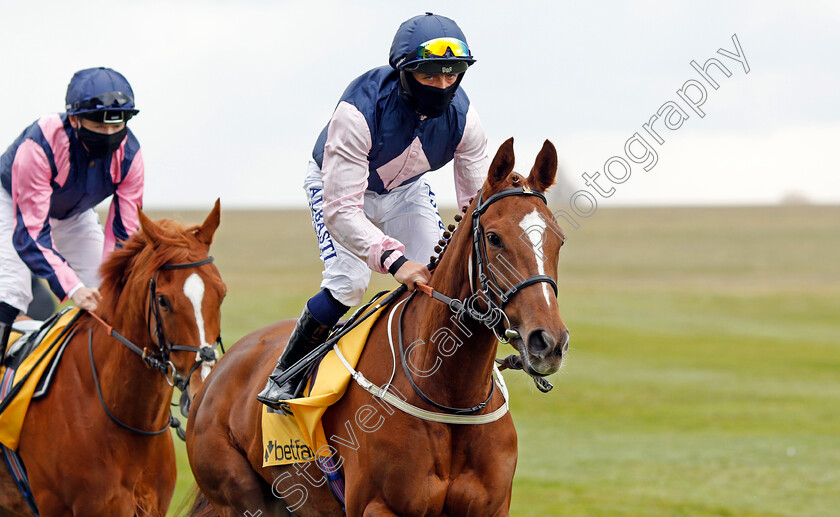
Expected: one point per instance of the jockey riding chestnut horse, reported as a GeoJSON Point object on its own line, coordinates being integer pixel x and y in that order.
{"type": "Point", "coordinates": [427, 433]}
{"type": "Point", "coordinates": [98, 442]}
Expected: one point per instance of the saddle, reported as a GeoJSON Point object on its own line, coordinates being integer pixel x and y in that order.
{"type": "Point", "coordinates": [27, 372]}
{"type": "Point", "coordinates": [300, 437]}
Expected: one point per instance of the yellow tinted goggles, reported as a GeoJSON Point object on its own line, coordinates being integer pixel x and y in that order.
{"type": "Point", "coordinates": [443, 47]}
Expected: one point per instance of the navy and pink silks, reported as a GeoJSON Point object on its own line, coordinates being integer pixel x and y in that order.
{"type": "Point", "coordinates": [49, 175]}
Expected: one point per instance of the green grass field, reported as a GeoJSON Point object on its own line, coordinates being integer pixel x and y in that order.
{"type": "Point", "coordinates": [704, 377]}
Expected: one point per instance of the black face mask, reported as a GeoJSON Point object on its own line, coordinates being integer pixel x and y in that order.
{"type": "Point", "coordinates": [100, 145]}
{"type": "Point", "coordinates": [427, 100]}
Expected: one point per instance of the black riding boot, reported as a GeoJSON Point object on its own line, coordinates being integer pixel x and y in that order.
{"type": "Point", "coordinates": [7, 316]}
{"type": "Point", "coordinates": [5, 330]}
{"type": "Point", "coordinates": [308, 333]}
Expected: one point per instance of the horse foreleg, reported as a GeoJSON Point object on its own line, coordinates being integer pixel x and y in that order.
{"type": "Point", "coordinates": [228, 482]}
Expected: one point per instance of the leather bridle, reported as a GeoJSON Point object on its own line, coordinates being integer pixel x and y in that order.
{"type": "Point", "coordinates": [486, 279]}
{"type": "Point", "coordinates": [206, 354]}
{"type": "Point", "coordinates": [489, 292]}
{"type": "Point", "coordinates": [159, 361]}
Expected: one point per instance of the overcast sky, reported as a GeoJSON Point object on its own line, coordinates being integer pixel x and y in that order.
{"type": "Point", "coordinates": [233, 94]}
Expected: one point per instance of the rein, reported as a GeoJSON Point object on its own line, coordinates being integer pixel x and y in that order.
{"type": "Point", "coordinates": [159, 361]}
{"type": "Point", "coordinates": [172, 420]}
{"type": "Point", "coordinates": [419, 392]}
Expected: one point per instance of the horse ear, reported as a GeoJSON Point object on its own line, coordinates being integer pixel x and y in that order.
{"type": "Point", "coordinates": [545, 168]}
{"type": "Point", "coordinates": [502, 164]}
{"type": "Point", "coordinates": [204, 233]}
{"type": "Point", "coordinates": [149, 228]}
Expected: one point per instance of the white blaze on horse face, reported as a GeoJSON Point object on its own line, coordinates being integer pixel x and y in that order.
{"type": "Point", "coordinates": [534, 227]}
{"type": "Point", "coordinates": [194, 291]}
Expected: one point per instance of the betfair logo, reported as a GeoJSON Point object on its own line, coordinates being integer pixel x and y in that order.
{"type": "Point", "coordinates": [294, 451]}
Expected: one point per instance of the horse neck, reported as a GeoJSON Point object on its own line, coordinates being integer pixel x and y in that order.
{"type": "Point", "coordinates": [137, 394]}
{"type": "Point", "coordinates": [461, 352]}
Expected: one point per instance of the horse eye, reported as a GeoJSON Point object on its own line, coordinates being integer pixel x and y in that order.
{"type": "Point", "coordinates": [494, 240]}
{"type": "Point", "coordinates": [163, 301]}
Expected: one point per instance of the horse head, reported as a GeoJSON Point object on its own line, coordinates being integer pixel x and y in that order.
{"type": "Point", "coordinates": [163, 289]}
{"type": "Point", "coordinates": [520, 241]}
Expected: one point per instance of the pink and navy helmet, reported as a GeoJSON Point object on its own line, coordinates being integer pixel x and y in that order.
{"type": "Point", "coordinates": [100, 94]}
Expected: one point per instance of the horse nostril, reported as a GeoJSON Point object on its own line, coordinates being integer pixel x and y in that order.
{"type": "Point", "coordinates": [564, 348]}
{"type": "Point", "coordinates": [540, 343]}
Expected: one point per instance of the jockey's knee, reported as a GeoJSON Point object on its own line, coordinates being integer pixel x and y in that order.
{"type": "Point", "coordinates": [347, 281]}
{"type": "Point", "coordinates": [351, 293]}
{"type": "Point", "coordinates": [17, 299]}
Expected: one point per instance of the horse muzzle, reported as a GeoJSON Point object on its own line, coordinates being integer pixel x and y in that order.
{"type": "Point", "coordinates": [542, 352]}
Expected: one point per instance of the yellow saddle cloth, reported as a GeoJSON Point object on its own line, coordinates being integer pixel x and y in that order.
{"type": "Point", "coordinates": [299, 437]}
{"type": "Point", "coordinates": [29, 373]}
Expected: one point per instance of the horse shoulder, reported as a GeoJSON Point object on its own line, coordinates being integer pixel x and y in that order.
{"type": "Point", "coordinates": [49, 442]}
{"type": "Point", "coordinates": [226, 419]}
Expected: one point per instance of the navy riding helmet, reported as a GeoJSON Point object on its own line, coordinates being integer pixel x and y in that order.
{"type": "Point", "coordinates": [100, 94]}
{"type": "Point", "coordinates": [430, 43]}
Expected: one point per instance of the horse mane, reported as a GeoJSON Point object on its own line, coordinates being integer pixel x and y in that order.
{"type": "Point", "coordinates": [126, 273]}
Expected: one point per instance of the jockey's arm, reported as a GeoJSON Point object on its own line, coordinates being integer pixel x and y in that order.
{"type": "Point", "coordinates": [471, 160]}
{"type": "Point", "coordinates": [345, 177]}
{"type": "Point", "coordinates": [122, 216]}
{"type": "Point", "coordinates": [31, 193]}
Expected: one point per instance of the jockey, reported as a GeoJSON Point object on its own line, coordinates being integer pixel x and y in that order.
{"type": "Point", "coordinates": [53, 175]}
{"type": "Point", "coordinates": [370, 207]}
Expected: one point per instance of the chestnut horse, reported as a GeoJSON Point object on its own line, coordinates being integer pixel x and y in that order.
{"type": "Point", "coordinates": [455, 454]}
{"type": "Point", "coordinates": [99, 443]}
